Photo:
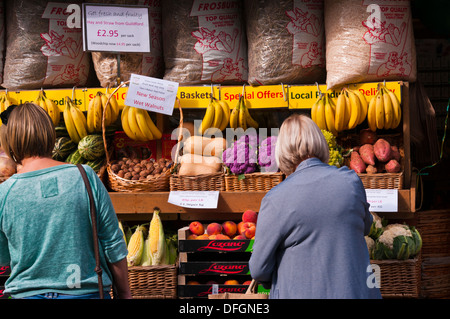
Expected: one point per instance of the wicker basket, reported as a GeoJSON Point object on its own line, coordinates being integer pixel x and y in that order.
{"type": "Point", "coordinates": [382, 180]}
{"type": "Point", "coordinates": [153, 282]}
{"type": "Point", "coordinates": [253, 182]}
{"type": "Point", "coordinates": [206, 182]}
{"type": "Point", "coordinates": [154, 184]}
{"type": "Point", "coordinates": [399, 278]}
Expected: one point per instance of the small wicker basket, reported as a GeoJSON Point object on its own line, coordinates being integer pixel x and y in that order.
{"type": "Point", "coordinates": [205, 182]}
{"type": "Point", "coordinates": [253, 182]}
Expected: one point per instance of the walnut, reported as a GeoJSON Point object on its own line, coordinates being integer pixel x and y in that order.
{"type": "Point", "coordinates": [121, 173]}
{"type": "Point", "coordinates": [127, 175]}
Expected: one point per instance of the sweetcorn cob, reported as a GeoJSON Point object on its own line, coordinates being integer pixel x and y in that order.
{"type": "Point", "coordinates": [157, 241]}
{"type": "Point", "coordinates": [136, 247]}
{"type": "Point", "coordinates": [146, 256]}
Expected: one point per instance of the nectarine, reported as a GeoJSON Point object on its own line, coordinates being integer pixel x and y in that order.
{"type": "Point", "coordinates": [196, 228]}
{"type": "Point", "coordinates": [229, 228]}
{"type": "Point", "coordinates": [214, 229]}
{"type": "Point", "coordinates": [249, 230]}
{"type": "Point", "coordinates": [249, 216]}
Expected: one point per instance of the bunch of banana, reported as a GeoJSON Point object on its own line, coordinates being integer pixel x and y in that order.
{"type": "Point", "coordinates": [323, 113]}
{"type": "Point", "coordinates": [351, 109]}
{"type": "Point", "coordinates": [384, 110]}
{"type": "Point", "coordinates": [49, 106]}
{"type": "Point", "coordinates": [75, 121]}
{"type": "Point", "coordinates": [240, 116]}
{"type": "Point", "coordinates": [96, 107]}
{"type": "Point", "coordinates": [5, 101]}
{"type": "Point", "coordinates": [217, 116]}
{"type": "Point", "coordinates": [138, 125]}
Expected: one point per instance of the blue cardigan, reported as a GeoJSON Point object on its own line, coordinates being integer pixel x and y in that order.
{"type": "Point", "coordinates": [309, 240]}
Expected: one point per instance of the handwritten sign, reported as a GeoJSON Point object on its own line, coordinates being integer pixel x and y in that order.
{"type": "Point", "coordinates": [194, 199]}
{"type": "Point", "coordinates": [382, 200]}
{"type": "Point", "coordinates": [116, 28]}
{"type": "Point", "coordinates": [151, 94]}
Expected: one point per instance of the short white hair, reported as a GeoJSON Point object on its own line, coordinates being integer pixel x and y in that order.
{"type": "Point", "coordinates": [299, 138]}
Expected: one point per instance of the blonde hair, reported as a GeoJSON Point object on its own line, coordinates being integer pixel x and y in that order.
{"type": "Point", "coordinates": [299, 138]}
{"type": "Point", "coordinates": [29, 132]}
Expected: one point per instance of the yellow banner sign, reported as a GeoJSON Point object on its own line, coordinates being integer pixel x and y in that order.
{"type": "Point", "coordinates": [196, 96]}
{"type": "Point", "coordinates": [304, 96]}
{"type": "Point", "coordinates": [256, 97]}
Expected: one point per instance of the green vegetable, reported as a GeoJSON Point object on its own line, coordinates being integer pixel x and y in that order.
{"type": "Point", "coordinates": [63, 147]}
{"type": "Point", "coordinates": [91, 147]}
{"type": "Point", "coordinates": [398, 241]}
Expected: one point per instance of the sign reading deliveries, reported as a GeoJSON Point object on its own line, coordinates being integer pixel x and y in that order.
{"type": "Point", "coordinates": [119, 28]}
{"type": "Point", "coordinates": [151, 94]}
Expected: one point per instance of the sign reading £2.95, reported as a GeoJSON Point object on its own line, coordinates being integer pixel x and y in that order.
{"type": "Point", "coordinates": [118, 28]}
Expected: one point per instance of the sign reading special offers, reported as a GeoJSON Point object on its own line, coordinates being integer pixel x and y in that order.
{"type": "Point", "coordinates": [118, 28]}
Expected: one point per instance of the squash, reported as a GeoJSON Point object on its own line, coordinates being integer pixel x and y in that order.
{"type": "Point", "coordinates": [204, 145]}
{"type": "Point", "coordinates": [193, 165]}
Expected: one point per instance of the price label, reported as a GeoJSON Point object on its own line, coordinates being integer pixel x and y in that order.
{"type": "Point", "coordinates": [116, 28]}
{"type": "Point", "coordinates": [382, 200]}
{"type": "Point", "coordinates": [193, 199]}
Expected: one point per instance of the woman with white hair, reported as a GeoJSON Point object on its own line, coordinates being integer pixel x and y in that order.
{"type": "Point", "coordinates": [309, 241]}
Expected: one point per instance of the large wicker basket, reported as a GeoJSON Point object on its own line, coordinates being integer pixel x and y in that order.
{"type": "Point", "coordinates": [206, 182]}
{"type": "Point", "coordinates": [382, 180]}
{"type": "Point", "coordinates": [399, 278]}
{"type": "Point", "coordinates": [253, 182]}
{"type": "Point", "coordinates": [153, 282]}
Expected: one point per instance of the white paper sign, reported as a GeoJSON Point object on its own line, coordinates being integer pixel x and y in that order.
{"type": "Point", "coordinates": [382, 200]}
{"type": "Point", "coordinates": [116, 28]}
{"type": "Point", "coordinates": [194, 199]}
{"type": "Point", "coordinates": [151, 94]}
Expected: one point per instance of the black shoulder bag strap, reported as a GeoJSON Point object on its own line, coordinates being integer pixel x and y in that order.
{"type": "Point", "coordinates": [98, 269]}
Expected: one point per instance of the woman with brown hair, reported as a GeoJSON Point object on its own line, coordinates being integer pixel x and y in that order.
{"type": "Point", "coordinates": [45, 226]}
{"type": "Point", "coordinates": [309, 242]}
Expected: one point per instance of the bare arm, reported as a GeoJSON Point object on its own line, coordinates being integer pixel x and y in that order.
{"type": "Point", "coordinates": [119, 271]}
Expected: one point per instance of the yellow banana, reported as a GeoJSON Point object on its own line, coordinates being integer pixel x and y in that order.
{"type": "Point", "coordinates": [320, 115]}
{"type": "Point", "coordinates": [98, 112]}
{"type": "Point", "coordinates": [208, 118]}
{"type": "Point", "coordinates": [355, 107]}
{"type": "Point", "coordinates": [329, 116]}
{"type": "Point", "coordinates": [388, 109]}
{"type": "Point", "coordinates": [90, 116]}
{"type": "Point", "coordinates": [364, 105]}
{"type": "Point", "coordinates": [341, 109]}
{"type": "Point", "coordinates": [348, 111]}
{"type": "Point", "coordinates": [379, 111]}
{"type": "Point", "coordinates": [142, 123]}
{"type": "Point", "coordinates": [70, 125]}
{"type": "Point", "coordinates": [314, 111]}
{"type": "Point", "coordinates": [371, 114]}
{"type": "Point", "coordinates": [2, 101]}
{"type": "Point", "coordinates": [6, 101]}
{"type": "Point", "coordinates": [125, 125]}
{"type": "Point", "coordinates": [52, 110]}
{"type": "Point", "coordinates": [225, 115]}
{"type": "Point", "coordinates": [155, 131]}
{"type": "Point", "coordinates": [242, 119]}
{"type": "Point", "coordinates": [248, 118]}
{"type": "Point", "coordinates": [396, 107]}
{"type": "Point", "coordinates": [106, 109]}
{"type": "Point", "coordinates": [218, 114]}
{"type": "Point", "coordinates": [235, 115]}
{"type": "Point", "coordinates": [79, 120]}
{"type": "Point", "coordinates": [115, 109]}
{"type": "Point", "coordinates": [134, 127]}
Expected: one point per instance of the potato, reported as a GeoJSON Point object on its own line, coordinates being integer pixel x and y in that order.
{"type": "Point", "coordinates": [371, 169]}
{"type": "Point", "coordinates": [395, 153]}
{"type": "Point", "coordinates": [367, 154]}
{"type": "Point", "coordinates": [382, 150]}
{"type": "Point", "coordinates": [392, 166]}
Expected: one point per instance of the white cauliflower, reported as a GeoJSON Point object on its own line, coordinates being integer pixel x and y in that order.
{"type": "Point", "coordinates": [377, 220]}
{"type": "Point", "coordinates": [370, 245]}
{"type": "Point", "coordinates": [391, 231]}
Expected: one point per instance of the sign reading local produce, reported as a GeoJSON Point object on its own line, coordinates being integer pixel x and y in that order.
{"type": "Point", "coordinates": [118, 28]}
{"type": "Point", "coordinates": [151, 94]}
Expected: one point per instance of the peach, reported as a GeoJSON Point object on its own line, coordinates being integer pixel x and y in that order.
{"type": "Point", "coordinates": [196, 228]}
{"type": "Point", "coordinates": [212, 237]}
{"type": "Point", "coordinates": [239, 237]}
{"type": "Point", "coordinates": [240, 227]}
{"type": "Point", "coordinates": [214, 229]}
{"type": "Point", "coordinates": [229, 228]}
{"type": "Point", "coordinates": [222, 236]}
{"type": "Point", "coordinates": [204, 236]}
{"type": "Point", "coordinates": [249, 230]}
{"type": "Point", "coordinates": [231, 282]}
{"type": "Point", "coordinates": [192, 236]}
{"type": "Point", "coordinates": [247, 282]}
{"type": "Point", "coordinates": [249, 216]}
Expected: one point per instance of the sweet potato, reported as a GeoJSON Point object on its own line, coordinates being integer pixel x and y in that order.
{"type": "Point", "coordinates": [367, 136]}
{"type": "Point", "coordinates": [356, 163]}
{"type": "Point", "coordinates": [392, 166]}
{"type": "Point", "coordinates": [367, 154]}
{"type": "Point", "coordinates": [382, 150]}
{"type": "Point", "coordinates": [371, 169]}
{"type": "Point", "coordinates": [395, 153]}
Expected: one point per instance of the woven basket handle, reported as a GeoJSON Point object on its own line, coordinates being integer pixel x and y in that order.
{"type": "Point", "coordinates": [252, 288]}
{"type": "Point", "coordinates": [180, 136]}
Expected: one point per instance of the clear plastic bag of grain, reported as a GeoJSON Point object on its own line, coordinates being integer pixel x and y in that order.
{"type": "Point", "coordinates": [286, 41]}
{"type": "Point", "coordinates": [41, 51]}
{"type": "Point", "coordinates": [369, 41]}
{"type": "Point", "coordinates": [149, 64]}
{"type": "Point", "coordinates": [204, 42]}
